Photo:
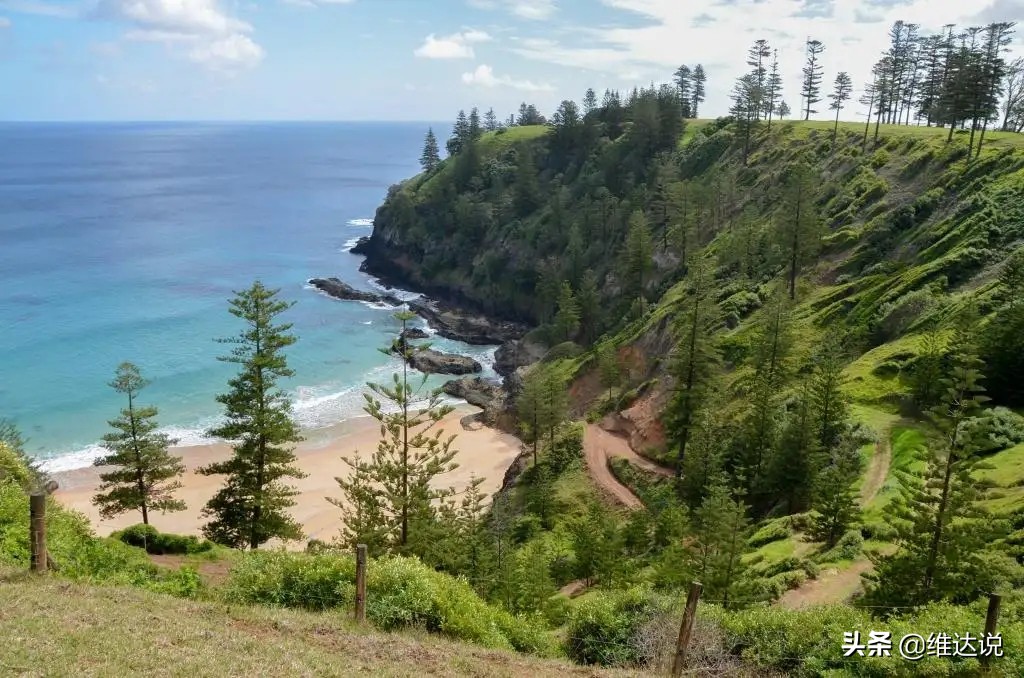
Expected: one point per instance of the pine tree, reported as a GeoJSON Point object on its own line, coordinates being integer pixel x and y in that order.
{"type": "Point", "coordinates": [811, 89]}
{"type": "Point", "coordinates": [840, 94]}
{"type": "Point", "coordinates": [431, 157]}
{"type": "Point", "coordinates": [773, 89]}
{"type": "Point", "coordinates": [252, 506]}
{"type": "Point", "coordinates": [542, 404]}
{"type": "Point", "coordinates": [567, 318]}
{"type": "Point", "coordinates": [783, 110]}
{"type": "Point", "coordinates": [795, 462]}
{"type": "Point", "coordinates": [828, 401]}
{"type": "Point", "coordinates": [460, 135]}
{"type": "Point", "coordinates": [474, 130]}
{"type": "Point", "coordinates": [744, 109]}
{"type": "Point", "coordinates": [412, 453]}
{"type": "Point", "coordinates": [361, 504]}
{"type": "Point", "coordinates": [720, 543]}
{"type": "Point", "coordinates": [760, 427]}
{"type": "Point", "coordinates": [694, 357]}
{"type": "Point", "coordinates": [949, 545]}
{"type": "Point", "coordinates": [756, 57]}
{"type": "Point", "coordinates": [798, 229]}
{"type": "Point", "coordinates": [608, 367]}
{"type": "Point", "coordinates": [639, 257]}
{"type": "Point", "coordinates": [145, 474]}
{"type": "Point", "coordinates": [684, 85]}
{"type": "Point", "coordinates": [705, 460]}
{"type": "Point", "coordinates": [700, 79]}
{"type": "Point", "coordinates": [589, 102]}
{"type": "Point", "coordinates": [490, 121]}
{"type": "Point", "coordinates": [835, 501]}
{"type": "Point", "coordinates": [1013, 99]}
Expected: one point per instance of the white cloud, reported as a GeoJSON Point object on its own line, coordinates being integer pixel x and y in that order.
{"type": "Point", "coordinates": [312, 4]}
{"type": "Point", "coordinates": [173, 16]}
{"type": "Point", "coordinates": [533, 9]}
{"type": "Point", "coordinates": [60, 10]}
{"type": "Point", "coordinates": [455, 46]}
{"type": "Point", "coordinates": [229, 54]}
{"type": "Point", "coordinates": [484, 76]}
{"type": "Point", "coordinates": [526, 9]}
{"type": "Point", "coordinates": [216, 39]}
{"type": "Point", "coordinates": [5, 22]}
{"type": "Point", "coordinates": [652, 44]}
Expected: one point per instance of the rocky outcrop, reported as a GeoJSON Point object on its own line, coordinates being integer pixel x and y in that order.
{"type": "Point", "coordinates": [413, 333]}
{"type": "Point", "coordinates": [517, 353]}
{"type": "Point", "coordinates": [430, 361]}
{"type": "Point", "coordinates": [483, 393]}
{"type": "Point", "coordinates": [362, 246]}
{"type": "Point", "coordinates": [465, 326]}
{"type": "Point", "coordinates": [342, 290]}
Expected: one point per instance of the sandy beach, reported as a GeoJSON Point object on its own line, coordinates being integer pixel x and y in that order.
{"type": "Point", "coordinates": [482, 452]}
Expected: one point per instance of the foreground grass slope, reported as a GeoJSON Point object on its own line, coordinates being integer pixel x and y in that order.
{"type": "Point", "coordinates": [56, 627]}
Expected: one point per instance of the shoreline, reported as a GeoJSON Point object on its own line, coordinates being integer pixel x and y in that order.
{"type": "Point", "coordinates": [483, 452]}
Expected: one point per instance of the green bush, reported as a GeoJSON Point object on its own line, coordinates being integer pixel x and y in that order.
{"type": "Point", "coordinates": [606, 627]}
{"type": "Point", "coordinates": [774, 530]}
{"type": "Point", "coordinates": [155, 542]}
{"type": "Point", "coordinates": [401, 593]}
{"type": "Point", "coordinates": [563, 351]}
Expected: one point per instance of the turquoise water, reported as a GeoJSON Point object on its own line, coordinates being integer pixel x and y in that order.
{"type": "Point", "coordinates": [124, 242]}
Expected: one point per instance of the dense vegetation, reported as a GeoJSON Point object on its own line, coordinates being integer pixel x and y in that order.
{"type": "Point", "coordinates": [803, 307]}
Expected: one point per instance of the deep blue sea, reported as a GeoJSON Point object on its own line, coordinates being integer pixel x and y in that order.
{"type": "Point", "coordinates": [125, 241]}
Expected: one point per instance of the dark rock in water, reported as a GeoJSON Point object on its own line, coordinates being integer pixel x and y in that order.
{"type": "Point", "coordinates": [517, 353]}
{"type": "Point", "coordinates": [342, 290]}
{"type": "Point", "coordinates": [467, 327]}
{"type": "Point", "coordinates": [413, 333]}
{"type": "Point", "coordinates": [488, 395]}
{"type": "Point", "coordinates": [475, 390]}
{"type": "Point", "coordinates": [362, 246]}
{"type": "Point", "coordinates": [430, 361]}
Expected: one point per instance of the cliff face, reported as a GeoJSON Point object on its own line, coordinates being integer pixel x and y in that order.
{"type": "Point", "coordinates": [910, 228]}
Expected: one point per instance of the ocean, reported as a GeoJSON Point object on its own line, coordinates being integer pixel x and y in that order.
{"type": "Point", "coordinates": [125, 241]}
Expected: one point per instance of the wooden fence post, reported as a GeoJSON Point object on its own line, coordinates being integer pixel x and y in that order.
{"type": "Point", "coordinates": [37, 531]}
{"type": "Point", "coordinates": [686, 628]}
{"type": "Point", "coordinates": [991, 619]}
{"type": "Point", "coordinates": [361, 583]}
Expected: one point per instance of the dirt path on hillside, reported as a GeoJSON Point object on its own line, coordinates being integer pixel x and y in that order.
{"type": "Point", "coordinates": [598, 447]}
{"type": "Point", "coordinates": [831, 586]}
{"type": "Point", "coordinates": [878, 470]}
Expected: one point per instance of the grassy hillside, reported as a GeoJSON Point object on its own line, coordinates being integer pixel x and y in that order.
{"type": "Point", "coordinates": [55, 627]}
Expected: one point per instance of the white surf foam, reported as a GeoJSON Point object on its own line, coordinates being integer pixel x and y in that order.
{"type": "Point", "coordinates": [360, 222]}
{"type": "Point", "coordinates": [350, 243]}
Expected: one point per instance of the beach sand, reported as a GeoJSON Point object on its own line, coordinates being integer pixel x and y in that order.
{"type": "Point", "coordinates": [482, 452]}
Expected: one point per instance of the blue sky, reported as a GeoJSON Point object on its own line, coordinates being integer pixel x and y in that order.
{"type": "Point", "coordinates": [413, 59]}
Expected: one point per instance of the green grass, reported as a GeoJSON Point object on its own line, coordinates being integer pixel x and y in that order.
{"type": "Point", "coordinates": [1008, 474]}
{"type": "Point", "coordinates": [907, 445]}
{"type": "Point", "coordinates": [937, 135]}
{"type": "Point", "coordinates": [53, 627]}
{"type": "Point", "coordinates": [867, 379]}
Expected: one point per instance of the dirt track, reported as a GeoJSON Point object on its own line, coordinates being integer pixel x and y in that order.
{"type": "Point", "coordinates": [598, 447]}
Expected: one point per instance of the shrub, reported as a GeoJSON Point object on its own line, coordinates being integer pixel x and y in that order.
{"type": "Point", "coordinates": [155, 542]}
{"type": "Point", "coordinates": [1000, 428]}
{"type": "Point", "coordinates": [769, 532]}
{"type": "Point", "coordinates": [879, 159]}
{"type": "Point", "coordinates": [568, 447]}
{"type": "Point", "coordinates": [401, 593]}
{"type": "Point", "coordinates": [605, 628]}
{"type": "Point", "coordinates": [894, 318]}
